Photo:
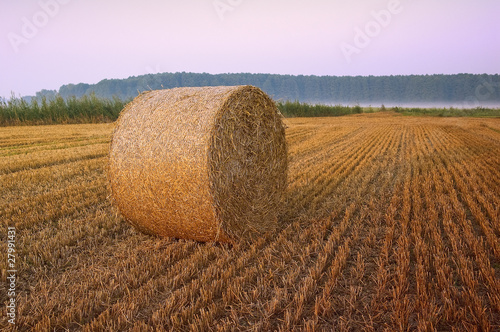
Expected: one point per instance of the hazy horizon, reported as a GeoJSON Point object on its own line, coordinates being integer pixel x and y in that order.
{"type": "Point", "coordinates": [437, 104]}
{"type": "Point", "coordinates": [48, 43]}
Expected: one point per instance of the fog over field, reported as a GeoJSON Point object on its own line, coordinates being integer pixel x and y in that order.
{"type": "Point", "coordinates": [465, 104]}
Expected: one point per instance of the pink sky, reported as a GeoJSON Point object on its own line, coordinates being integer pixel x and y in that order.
{"type": "Point", "coordinates": [45, 44]}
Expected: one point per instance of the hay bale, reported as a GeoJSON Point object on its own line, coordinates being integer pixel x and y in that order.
{"type": "Point", "coordinates": [205, 163]}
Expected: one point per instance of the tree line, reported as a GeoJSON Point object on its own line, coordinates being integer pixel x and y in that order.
{"type": "Point", "coordinates": [466, 88]}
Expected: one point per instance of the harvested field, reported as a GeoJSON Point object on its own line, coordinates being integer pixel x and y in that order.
{"type": "Point", "coordinates": [390, 223]}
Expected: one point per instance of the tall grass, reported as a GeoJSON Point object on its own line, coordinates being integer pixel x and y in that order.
{"type": "Point", "coordinates": [87, 109]}
{"type": "Point", "coordinates": [298, 109]}
{"type": "Point", "coordinates": [91, 109]}
{"type": "Point", "coordinates": [450, 112]}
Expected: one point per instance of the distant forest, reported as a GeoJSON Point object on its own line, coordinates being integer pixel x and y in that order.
{"type": "Point", "coordinates": [460, 88]}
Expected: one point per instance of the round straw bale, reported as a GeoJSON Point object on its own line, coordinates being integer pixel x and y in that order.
{"type": "Point", "coordinates": [206, 163]}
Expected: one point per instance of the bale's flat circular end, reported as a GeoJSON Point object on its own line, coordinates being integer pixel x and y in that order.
{"type": "Point", "coordinates": [208, 164]}
{"type": "Point", "coordinates": [247, 163]}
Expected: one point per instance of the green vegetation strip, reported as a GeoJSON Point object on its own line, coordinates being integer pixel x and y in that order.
{"type": "Point", "coordinates": [480, 112]}
{"type": "Point", "coordinates": [92, 109]}
{"type": "Point", "coordinates": [86, 109]}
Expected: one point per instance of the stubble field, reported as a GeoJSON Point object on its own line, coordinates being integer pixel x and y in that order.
{"type": "Point", "coordinates": [389, 223]}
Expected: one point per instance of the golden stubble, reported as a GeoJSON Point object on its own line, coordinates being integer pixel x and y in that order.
{"type": "Point", "coordinates": [388, 223]}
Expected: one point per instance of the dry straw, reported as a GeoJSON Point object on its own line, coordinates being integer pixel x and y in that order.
{"type": "Point", "coordinates": [206, 163]}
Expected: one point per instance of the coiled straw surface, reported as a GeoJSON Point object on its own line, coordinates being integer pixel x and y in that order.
{"type": "Point", "coordinates": [205, 163]}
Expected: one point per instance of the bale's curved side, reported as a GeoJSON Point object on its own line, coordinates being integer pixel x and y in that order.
{"type": "Point", "coordinates": [176, 168]}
